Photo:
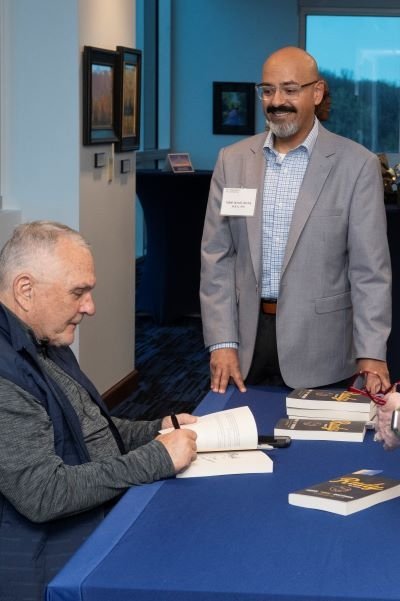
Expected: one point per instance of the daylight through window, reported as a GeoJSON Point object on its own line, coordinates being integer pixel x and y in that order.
{"type": "Point", "coordinates": [359, 56]}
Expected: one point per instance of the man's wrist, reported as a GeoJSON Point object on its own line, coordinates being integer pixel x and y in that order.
{"type": "Point", "coordinates": [221, 345]}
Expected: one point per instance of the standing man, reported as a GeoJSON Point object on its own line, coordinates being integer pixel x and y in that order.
{"type": "Point", "coordinates": [63, 459]}
{"type": "Point", "coordinates": [298, 292]}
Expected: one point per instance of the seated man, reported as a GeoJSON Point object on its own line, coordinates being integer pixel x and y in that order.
{"type": "Point", "coordinates": [64, 460]}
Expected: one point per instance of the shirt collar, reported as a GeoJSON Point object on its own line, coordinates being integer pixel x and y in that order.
{"type": "Point", "coordinates": [308, 143]}
{"type": "Point", "coordinates": [22, 336]}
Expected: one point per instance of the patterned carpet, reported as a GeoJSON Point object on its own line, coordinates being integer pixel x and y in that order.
{"type": "Point", "coordinates": [173, 369]}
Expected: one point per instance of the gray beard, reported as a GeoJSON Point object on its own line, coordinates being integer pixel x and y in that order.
{"type": "Point", "coordinates": [283, 130]}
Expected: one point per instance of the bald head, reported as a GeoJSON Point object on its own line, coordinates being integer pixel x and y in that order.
{"type": "Point", "coordinates": [300, 64]}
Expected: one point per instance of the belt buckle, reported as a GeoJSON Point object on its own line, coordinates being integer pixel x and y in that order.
{"type": "Point", "coordinates": [268, 306]}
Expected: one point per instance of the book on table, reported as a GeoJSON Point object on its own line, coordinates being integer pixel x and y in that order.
{"type": "Point", "coordinates": [330, 399]}
{"type": "Point", "coordinates": [358, 416]}
{"type": "Point", "coordinates": [226, 444]}
{"type": "Point", "coordinates": [321, 429]}
{"type": "Point", "coordinates": [349, 493]}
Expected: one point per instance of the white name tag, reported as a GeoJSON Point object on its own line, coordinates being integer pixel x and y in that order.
{"type": "Point", "coordinates": [238, 201]}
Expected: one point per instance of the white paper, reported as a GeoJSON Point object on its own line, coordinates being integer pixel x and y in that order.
{"type": "Point", "coordinates": [226, 443]}
{"type": "Point", "coordinates": [232, 462]}
{"type": "Point", "coordinates": [238, 202]}
{"type": "Point", "coordinates": [232, 429]}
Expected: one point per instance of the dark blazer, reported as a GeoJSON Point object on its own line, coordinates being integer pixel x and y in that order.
{"type": "Point", "coordinates": [31, 553]}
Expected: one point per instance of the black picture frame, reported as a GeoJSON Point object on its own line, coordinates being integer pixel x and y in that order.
{"type": "Point", "coordinates": [128, 97]}
{"type": "Point", "coordinates": [99, 87]}
{"type": "Point", "coordinates": [233, 108]}
{"type": "Point", "coordinates": [99, 159]}
{"type": "Point", "coordinates": [125, 166]}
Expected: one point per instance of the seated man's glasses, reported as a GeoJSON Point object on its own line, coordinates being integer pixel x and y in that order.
{"type": "Point", "coordinates": [289, 90]}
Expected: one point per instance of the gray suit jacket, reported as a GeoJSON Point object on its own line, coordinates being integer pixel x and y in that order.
{"type": "Point", "coordinates": [334, 303]}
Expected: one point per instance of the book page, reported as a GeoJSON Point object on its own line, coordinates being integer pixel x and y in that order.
{"type": "Point", "coordinates": [225, 430]}
{"type": "Point", "coordinates": [232, 462]}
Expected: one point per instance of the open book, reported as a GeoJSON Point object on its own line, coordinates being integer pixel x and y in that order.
{"type": "Point", "coordinates": [226, 444]}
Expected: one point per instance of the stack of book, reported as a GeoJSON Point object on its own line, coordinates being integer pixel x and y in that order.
{"type": "Point", "coordinates": [333, 404]}
{"type": "Point", "coordinates": [322, 414]}
{"type": "Point", "coordinates": [321, 429]}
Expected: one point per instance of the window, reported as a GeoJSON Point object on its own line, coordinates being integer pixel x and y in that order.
{"type": "Point", "coordinates": [153, 37]}
{"type": "Point", "coordinates": [358, 53]}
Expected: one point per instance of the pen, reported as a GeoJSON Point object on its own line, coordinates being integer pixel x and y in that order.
{"type": "Point", "coordinates": [174, 421]}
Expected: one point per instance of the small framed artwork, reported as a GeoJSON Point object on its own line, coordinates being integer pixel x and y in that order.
{"type": "Point", "coordinates": [99, 159]}
{"type": "Point", "coordinates": [125, 165]}
{"type": "Point", "coordinates": [180, 162]}
{"type": "Point", "coordinates": [233, 108]}
{"type": "Point", "coordinates": [128, 98]}
{"type": "Point", "coordinates": [99, 71]}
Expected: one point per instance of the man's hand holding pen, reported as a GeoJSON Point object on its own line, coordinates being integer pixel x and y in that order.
{"type": "Point", "coordinates": [181, 442]}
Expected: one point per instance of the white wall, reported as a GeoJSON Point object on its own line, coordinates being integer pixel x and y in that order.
{"type": "Point", "coordinates": [39, 113]}
{"type": "Point", "coordinates": [47, 174]}
{"type": "Point", "coordinates": [40, 105]}
{"type": "Point", "coordinates": [107, 219]}
{"type": "Point", "coordinates": [8, 220]}
{"type": "Point", "coordinates": [220, 40]}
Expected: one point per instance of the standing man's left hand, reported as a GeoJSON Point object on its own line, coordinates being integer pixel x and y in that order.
{"type": "Point", "coordinates": [378, 379]}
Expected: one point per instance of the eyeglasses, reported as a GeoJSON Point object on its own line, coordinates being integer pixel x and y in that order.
{"type": "Point", "coordinates": [290, 90]}
{"type": "Point", "coordinates": [358, 385]}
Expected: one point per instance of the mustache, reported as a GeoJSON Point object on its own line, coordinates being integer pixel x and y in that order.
{"type": "Point", "coordinates": [281, 109]}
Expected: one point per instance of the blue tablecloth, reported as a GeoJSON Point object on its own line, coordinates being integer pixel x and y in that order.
{"type": "Point", "coordinates": [237, 538]}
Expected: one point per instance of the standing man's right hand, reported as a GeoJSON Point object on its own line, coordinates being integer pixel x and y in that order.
{"type": "Point", "coordinates": [224, 364]}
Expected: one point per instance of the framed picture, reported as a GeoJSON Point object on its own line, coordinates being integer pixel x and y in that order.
{"type": "Point", "coordinates": [233, 108]}
{"type": "Point", "coordinates": [128, 98]}
{"type": "Point", "coordinates": [180, 162]}
{"type": "Point", "coordinates": [125, 166]}
{"type": "Point", "coordinates": [99, 159]}
{"type": "Point", "coordinates": [99, 70]}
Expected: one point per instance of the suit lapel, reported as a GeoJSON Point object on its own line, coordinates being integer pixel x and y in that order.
{"type": "Point", "coordinates": [253, 177]}
{"type": "Point", "coordinates": [317, 172]}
